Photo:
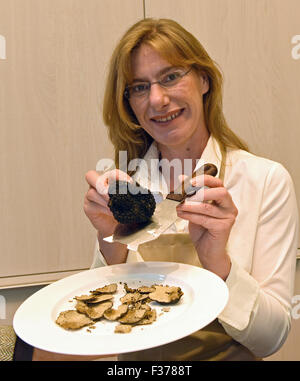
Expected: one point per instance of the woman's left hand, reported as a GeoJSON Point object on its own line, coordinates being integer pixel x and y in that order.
{"type": "Point", "coordinates": [210, 223]}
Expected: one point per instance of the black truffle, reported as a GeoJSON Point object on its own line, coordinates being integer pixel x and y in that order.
{"type": "Point", "coordinates": [130, 203]}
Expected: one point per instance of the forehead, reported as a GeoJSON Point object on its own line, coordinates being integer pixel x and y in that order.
{"type": "Point", "coordinates": [146, 61]}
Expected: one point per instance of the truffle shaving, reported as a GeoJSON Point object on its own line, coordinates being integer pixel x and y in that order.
{"type": "Point", "coordinates": [133, 316]}
{"type": "Point", "coordinates": [113, 314]}
{"type": "Point", "coordinates": [166, 294]}
{"type": "Point", "coordinates": [123, 328]}
{"type": "Point", "coordinates": [130, 298]}
{"type": "Point", "coordinates": [108, 289]}
{"type": "Point", "coordinates": [97, 311]}
{"type": "Point", "coordinates": [100, 298]}
{"type": "Point", "coordinates": [72, 319]}
{"type": "Point", "coordinates": [149, 317]}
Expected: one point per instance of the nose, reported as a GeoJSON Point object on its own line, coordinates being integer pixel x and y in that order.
{"type": "Point", "coordinates": [158, 96]}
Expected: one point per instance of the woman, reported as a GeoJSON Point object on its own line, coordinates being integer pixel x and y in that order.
{"type": "Point", "coordinates": [164, 100]}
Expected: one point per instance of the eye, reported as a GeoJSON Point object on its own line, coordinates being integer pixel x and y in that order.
{"type": "Point", "coordinates": [170, 78]}
{"type": "Point", "coordinates": [140, 88]}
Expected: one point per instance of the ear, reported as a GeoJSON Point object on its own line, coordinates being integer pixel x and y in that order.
{"type": "Point", "coordinates": [205, 83]}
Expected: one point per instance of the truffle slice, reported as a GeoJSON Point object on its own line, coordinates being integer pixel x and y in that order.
{"type": "Point", "coordinates": [142, 305]}
{"type": "Point", "coordinates": [146, 289]}
{"type": "Point", "coordinates": [128, 289]}
{"type": "Point", "coordinates": [123, 328]}
{"type": "Point", "coordinates": [97, 310]}
{"type": "Point", "coordinates": [133, 316]}
{"type": "Point", "coordinates": [130, 298]}
{"type": "Point", "coordinates": [72, 319]}
{"type": "Point", "coordinates": [166, 294]}
{"type": "Point", "coordinates": [113, 314]}
{"type": "Point", "coordinates": [100, 298]}
{"type": "Point", "coordinates": [81, 307]}
{"type": "Point", "coordinates": [85, 298]}
{"type": "Point", "coordinates": [108, 289]}
{"type": "Point", "coordinates": [149, 317]}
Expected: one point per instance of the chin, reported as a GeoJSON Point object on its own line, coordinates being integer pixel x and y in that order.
{"type": "Point", "coordinates": [174, 139]}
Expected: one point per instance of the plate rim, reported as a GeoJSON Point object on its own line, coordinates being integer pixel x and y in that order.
{"type": "Point", "coordinates": [152, 267]}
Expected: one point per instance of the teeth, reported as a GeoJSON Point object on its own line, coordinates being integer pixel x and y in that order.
{"type": "Point", "coordinates": [170, 117]}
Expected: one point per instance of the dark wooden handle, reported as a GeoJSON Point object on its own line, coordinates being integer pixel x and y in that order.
{"type": "Point", "coordinates": [185, 189]}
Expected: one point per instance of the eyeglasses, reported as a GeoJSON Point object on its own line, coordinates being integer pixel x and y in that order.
{"type": "Point", "coordinates": [142, 89]}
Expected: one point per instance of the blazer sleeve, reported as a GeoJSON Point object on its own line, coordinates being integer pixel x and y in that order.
{"type": "Point", "coordinates": [258, 313]}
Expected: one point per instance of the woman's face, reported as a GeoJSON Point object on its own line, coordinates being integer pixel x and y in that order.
{"type": "Point", "coordinates": [183, 102]}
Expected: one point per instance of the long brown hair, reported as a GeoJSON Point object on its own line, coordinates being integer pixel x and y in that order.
{"type": "Point", "coordinates": [180, 48]}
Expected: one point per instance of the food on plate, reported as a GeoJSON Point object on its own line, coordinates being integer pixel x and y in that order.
{"type": "Point", "coordinates": [133, 316]}
{"type": "Point", "coordinates": [113, 314]}
{"type": "Point", "coordinates": [146, 289]}
{"type": "Point", "coordinates": [97, 310]}
{"type": "Point", "coordinates": [108, 289]}
{"type": "Point", "coordinates": [149, 317]}
{"type": "Point", "coordinates": [85, 298]}
{"type": "Point", "coordinates": [72, 319]}
{"type": "Point", "coordinates": [91, 299]}
{"type": "Point", "coordinates": [132, 308]}
{"type": "Point", "coordinates": [130, 297]}
{"type": "Point", "coordinates": [123, 328]}
{"type": "Point", "coordinates": [81, 307]}
{"type": "Point", "coordinates": [100, 298]}
{"type": "Point", "coordinates": [130, 202]}
{"type": "Point", "coordinates": [166, 294]}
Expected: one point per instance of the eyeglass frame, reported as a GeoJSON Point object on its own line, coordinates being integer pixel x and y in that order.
{"type": "Point", "coordinates": [126, 91]}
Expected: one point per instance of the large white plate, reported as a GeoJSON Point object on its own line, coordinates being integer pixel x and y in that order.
{"type": "Point", "coordinates": [205, 296]}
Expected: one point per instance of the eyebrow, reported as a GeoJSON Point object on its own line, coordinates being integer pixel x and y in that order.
{"type": "Point", "coordinates": [160, 73]}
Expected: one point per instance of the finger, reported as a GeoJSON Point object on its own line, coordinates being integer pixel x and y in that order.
{"type": "Point", "coordinates": [94, 196]}
{"type": "Point", "coordinates": [117, 174]}
{"type": "Point", "coordinates": [220, 196]}
{"type": "Point", "coordinates": [204, 208]}
{"type": "Point", "coordinates": [181, 178]}
{"type": "Point", "coordinates": [207, 222]}
{"type": "Point", "coordinates": [92, 208]}
{"type": "Point", "coordinates": [178, 181]}
{"type": "Point", "coordinates": [103, 181]}
{"type": "Point", "coordinates": [206, 180]}
{"type": "Point", "coordinates": [91, 177]}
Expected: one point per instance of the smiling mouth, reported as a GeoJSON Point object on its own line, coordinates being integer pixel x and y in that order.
{"type": "Point", "coordinates": [167, 117]}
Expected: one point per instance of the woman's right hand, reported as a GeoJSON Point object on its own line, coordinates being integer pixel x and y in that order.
{"type": "Point", "coordinates": [96, 199]}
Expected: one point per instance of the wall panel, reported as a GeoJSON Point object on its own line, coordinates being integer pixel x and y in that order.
{"type": "Point", "coordinates": [51, 88]}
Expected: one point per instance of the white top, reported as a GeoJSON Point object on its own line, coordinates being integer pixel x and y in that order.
{"type": "Point", "coordinates": [262, 246]}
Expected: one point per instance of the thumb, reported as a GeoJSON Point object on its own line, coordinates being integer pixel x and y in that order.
{"type": "Point", "coordinates": [116, 175]}
{"type": "Point", "coordinates": [103, 181]}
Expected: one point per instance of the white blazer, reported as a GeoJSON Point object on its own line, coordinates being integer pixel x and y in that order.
{"type": "Point", "coordinates": [262, 246]}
